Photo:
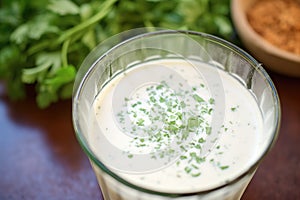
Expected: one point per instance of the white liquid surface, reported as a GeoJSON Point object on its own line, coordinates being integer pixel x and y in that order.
{"type": "Point", "coordinates": [218, 149]}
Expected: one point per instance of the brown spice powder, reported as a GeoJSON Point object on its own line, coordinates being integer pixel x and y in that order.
{"type": "Point", "coordinates": [278, 21]}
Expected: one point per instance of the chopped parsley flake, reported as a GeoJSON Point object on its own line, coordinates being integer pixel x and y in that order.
{"type": "Point", "coordinates": [187, 169]}
{"type": "Point", "coordinates": [211, 101]}
{"type": "Point", "coordinates": [233, 109]}
{"type": "Point", "coordinates": [224, 167]}
{"type": "Point", "coordinates": [198, 98]}
{"type": "Point", "coordinates": [201, 140]}
{"type": "Point", "coordinates": [130, 156]}
{"type": "Point", "coordinates": [208, 130]}
{"type": "Point", "coordinates": [196, 175]}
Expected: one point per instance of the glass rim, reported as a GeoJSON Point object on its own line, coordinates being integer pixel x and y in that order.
{"type": "Point", "coordinates": [254, 63]}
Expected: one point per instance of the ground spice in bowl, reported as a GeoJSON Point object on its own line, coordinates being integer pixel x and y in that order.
{"type": "Point", "coordinates": [278, 22]}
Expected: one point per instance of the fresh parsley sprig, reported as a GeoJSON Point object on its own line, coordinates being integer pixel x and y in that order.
{"type": "Point", "coordinates": [44, 42]}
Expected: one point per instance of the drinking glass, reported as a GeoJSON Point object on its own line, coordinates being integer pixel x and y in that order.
{"type": "Point", "coordinates": [132, 48]}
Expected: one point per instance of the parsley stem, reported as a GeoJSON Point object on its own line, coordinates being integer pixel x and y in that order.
{"type": "Point", "coordinates": [39, 47]}
{"type": "Point", "coordinates": [64, 53]}
{"type": "Point", "coordinates": [106, 7]}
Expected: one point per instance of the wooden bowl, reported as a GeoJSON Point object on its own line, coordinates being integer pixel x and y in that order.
{"type": "Point", "coordinates": [272, 57]}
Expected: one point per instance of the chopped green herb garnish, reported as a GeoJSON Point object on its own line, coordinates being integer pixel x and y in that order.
{"type": "Point", "coordinates": [211, 101]}
{"type": "Point", "coordinates": [196, 175]}
{"type": "Point", "coordinates": [152, 99]}
{"type": "Point", "coordinates": [201, 140]}
{"type": "Point", "coordinates": [134, 105]}
{"type": "Point", "coordinates": [159, 87]}
{"type": "Point", "coordinates": [183, 157]}
{"type": "Point", "coordinates": [140, 122]}
{"type": "Point", "coordinates": [187, 169]}
{"type": "Point", "coordinates": [224, 167]}
{"type": "Point", "coordinates": [208, 130]}
{"type": "Point", "coordinates": [199, 159]}
{"type": "Point", "coordinates": [194, 166]}
{"type": "Point", "coordinates": [193, 123]}
{"type": "Point", "coordinates": [130, 156]}
{"type": "Point", "coordinates": [161, 100]}
{"type": "Point", "coordinates": [234, 108]}
{"type": "Point", "coordinates": [198, 98]}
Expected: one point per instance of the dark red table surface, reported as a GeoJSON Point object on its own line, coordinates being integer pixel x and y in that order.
{"type": "Point", "coordinates": [40, 157]}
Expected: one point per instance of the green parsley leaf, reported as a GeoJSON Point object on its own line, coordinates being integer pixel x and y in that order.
{"type": "Point", "coordinates": [35, 29]}
{"type": "Point", "coordinates": [44, 63]}
{"type": "Point", "coordinates": [63, 7]}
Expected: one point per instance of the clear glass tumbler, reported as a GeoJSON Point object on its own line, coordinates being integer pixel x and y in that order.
{"type": "Point", "coordinates": [127, 50]}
